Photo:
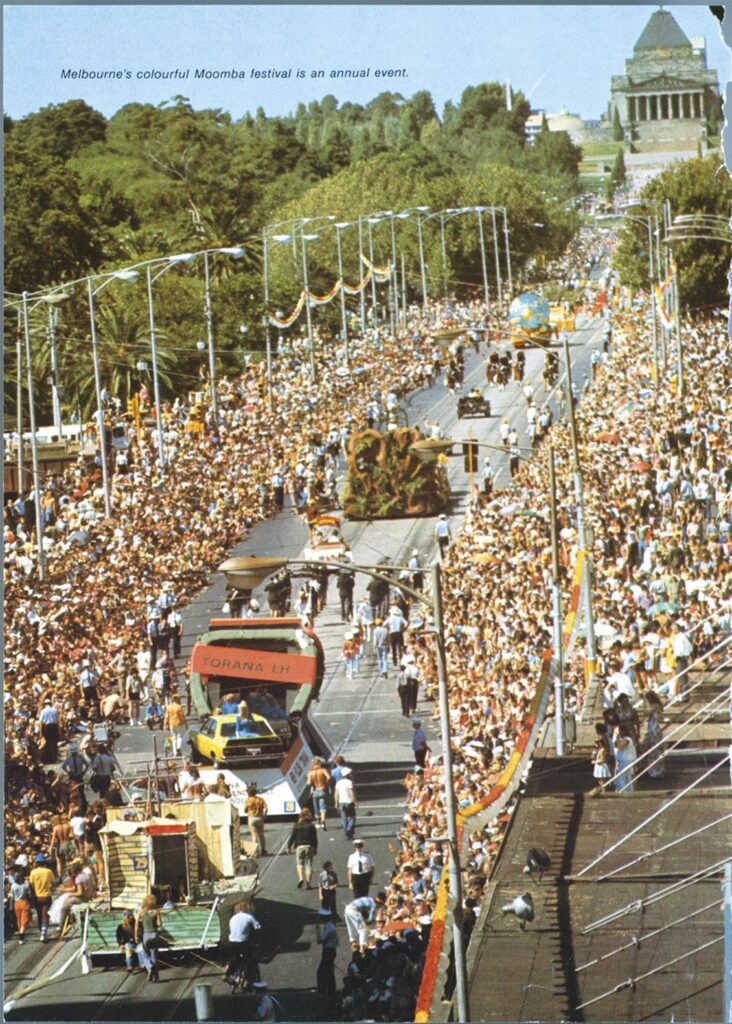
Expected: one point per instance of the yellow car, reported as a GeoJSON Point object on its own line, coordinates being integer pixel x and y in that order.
{"type": "Point", "coordinates": [225, 739]}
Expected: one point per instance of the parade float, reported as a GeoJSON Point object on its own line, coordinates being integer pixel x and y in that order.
{"type": "Point", "coordinates": [386, 480]}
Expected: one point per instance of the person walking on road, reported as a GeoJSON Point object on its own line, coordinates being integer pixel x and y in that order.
{"type": "Point", "coordinates": [360, 870]}
{"type": "Point", "coordinates": [413, 680]}
{"type": "Point", "coordinates": [41, 881]}
{"type": "Point", "coordinates": [327, 938]}
{"type": "Point", "coordinates": [304, 841]}
{"type": "Point", "coordinates": [256, 812]}
{"type": "Point", "coordinates": [327, 888]}
{"type": "Point", "coordinates": [396, 624]}
{"type": "Point", "coordinates": [345, 585]}
{"type": "Point", "coordinates": [345, 795]}
{"type": "Point", "coordinates": [415, 569]}
{"type": "Point", "coordinates": [419, 743]}
{"type": "Point", "coordinates": [243, 933]}
{"type": "Point", "coordinates": [443, 535]}
{"type": "Point", "coordinates": [403, 689]}
{"type": "Point", "coordinates": [175, 721]}
{"type": "Point", "coordinates": [381, 647]}
{"type": "Point", "coordinates": [319, 781]}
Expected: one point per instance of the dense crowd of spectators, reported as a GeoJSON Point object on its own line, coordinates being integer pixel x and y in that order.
{"type": "Point", "coordinates": [658, 491]}
{"type": "Point", "coordinates": [76, 642]}
{"type": "Point", "coordinates": [658, 488]}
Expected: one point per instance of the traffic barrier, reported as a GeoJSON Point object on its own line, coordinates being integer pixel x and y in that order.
{"type": "Point", "coordinates": [429, 1005]}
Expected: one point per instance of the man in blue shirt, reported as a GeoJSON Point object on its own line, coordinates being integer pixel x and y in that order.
{"type": "Point", "coordinates": [396, 624]}
{"type": "Point", "coordinates": [419, 743]}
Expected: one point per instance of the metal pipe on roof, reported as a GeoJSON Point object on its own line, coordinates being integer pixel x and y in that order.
{"type": "Point", "coordinates": [653, 816]}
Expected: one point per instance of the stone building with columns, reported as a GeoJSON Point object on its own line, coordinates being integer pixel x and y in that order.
{"type": "Point", "coordinates": [668, 98]}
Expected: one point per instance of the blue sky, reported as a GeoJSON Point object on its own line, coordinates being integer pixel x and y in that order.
{"type": "Point", "coordinates": [562, 55]}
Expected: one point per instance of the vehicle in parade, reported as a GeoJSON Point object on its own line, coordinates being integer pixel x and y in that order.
{"type": "Point", "coordinates": [473, 404]}
{"type": "Point", "coordinates": [276, 665]}
{"type": "Point", "coordinates": [229, 740]}
{"type": "Point", "coordinates": [188, 855]}
{"type": "Point", "coordinates": [529, 318]}
{"type": "Point", "coordinates": [326, 542]}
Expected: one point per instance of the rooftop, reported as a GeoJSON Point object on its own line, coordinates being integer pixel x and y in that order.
{"type": "Point", "coordinates": [661, 32]}
{"type": "Point", "coordinates": [613, 857]}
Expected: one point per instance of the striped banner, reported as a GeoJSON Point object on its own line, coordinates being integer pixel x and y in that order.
{"type": "Point", "coordinates": [476, 816]}
{"type": "Point", "coordinates": [572, 622]}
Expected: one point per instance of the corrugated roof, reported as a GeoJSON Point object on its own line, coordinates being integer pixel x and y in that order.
{"type": "Point", "coordinates": [662, 31]}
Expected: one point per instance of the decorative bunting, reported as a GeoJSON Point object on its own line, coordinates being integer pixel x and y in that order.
{"type": "Point", "coordinates": [380, 274]}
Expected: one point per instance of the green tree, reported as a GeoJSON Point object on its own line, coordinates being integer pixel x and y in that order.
{"type": "Point", "coordinates": [62, 130]}
{"type": "Point", "coordinates": [49, 236]}
{"type": "Point", "coordinates": [554, 153]}
{"type": "Point", "coordinates": [617, 126]}
{"type": "Point", "coordinates": [617, 175]}
{"type": "Point", "coordinates": [691, 186]}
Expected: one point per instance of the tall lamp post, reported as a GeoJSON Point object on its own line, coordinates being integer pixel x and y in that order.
{"type": "Point", "coordinates": [416, 213]}
{"type": "Point", "coordinates": [708, 227]}
{"type": "Point", "coordinates": [120, 275]}
{"type": "Point", "coordinates": [251, 572]}
{"type": "Point", "coordinates": [55, 390]}
{"type": "Point", "coordinates": [56, 295]}
{"type": "Point", "coordinates": [236, 252]}
{"type": "Point", "coordinates": [341, 226]}
{"type": "Point", "coordinates": [169, 261]}
{"type": "Point", "coordinates": [508, 250]}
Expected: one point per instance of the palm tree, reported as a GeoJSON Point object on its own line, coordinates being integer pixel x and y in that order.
{"type": "Point", "coordinates": [123, 338]}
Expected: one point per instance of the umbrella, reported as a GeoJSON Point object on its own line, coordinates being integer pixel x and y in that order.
{"type": "Point", "coordinates": [663, 606]}
{"type": "Point", "coordinates": [532, 515]}
{"type": "Point", "coordinates": [486, 559]}
{"type": "Point", "coordinates": [607, 438]}
{"type": "Point", "coordinates": [640, 467]}
{"type": "Point", "coordinates": [508, 510]}
{"type": "Point", "coordinates": [343, 371]}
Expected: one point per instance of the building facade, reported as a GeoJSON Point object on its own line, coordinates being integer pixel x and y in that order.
{"type": "Point", "coordinates": [668, 98]}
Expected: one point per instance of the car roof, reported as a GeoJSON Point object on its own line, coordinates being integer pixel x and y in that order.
{"type": "Point", "coordinates": [233, 718]}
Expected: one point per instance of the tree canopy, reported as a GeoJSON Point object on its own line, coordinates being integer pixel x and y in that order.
{"type": "Point", "coordinates": [84, 193]}
{"type": "Point", "coordinates": [691, 186]}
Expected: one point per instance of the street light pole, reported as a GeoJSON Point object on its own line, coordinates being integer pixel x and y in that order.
{"type": "Point", "coordinates": [461, 981]}
{"type": "Point", "coordinates": [267, 333]}
{"type": "Point", "coordinates": [156, 382]}
{"type": "Point", "coordinates": [444, 256]}
{"type": "Point", "coordinates": [374, 310]}
{"type": "Point", "coordinates": [344, 318]}
{"type": "Point", "coordinates": [100, 407]}
{"type": "Point", "coordinates": [34, 447]}
{"type": "Point", "coordinates": [508, 251]}
{"type": "Point", "coordinates": [308, 313]}
{"type": "Point", "coordinates": [556, 615]}
{"type": "Point", "coordinates": [362, 291]}
{"type": "Point", "coordinates": [422, 271]}
{"type": "Point", "coordinates": [486, 293]}
{"type": "Point", "coordinates": [210, 337]}
{"type": "Point", "coordinates": [581, 524]}
{"type": "Point", "coordinates": [55, 402]}
{"type": "Point", "coordinates": [19, 400]}
{"type": "Point", "coordinates": [394, 280]}
{"type": "Point", "coordinates": [495, 256]}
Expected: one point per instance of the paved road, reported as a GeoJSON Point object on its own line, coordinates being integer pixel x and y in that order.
{"type": "Point", "coordinates": [361, 718]}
